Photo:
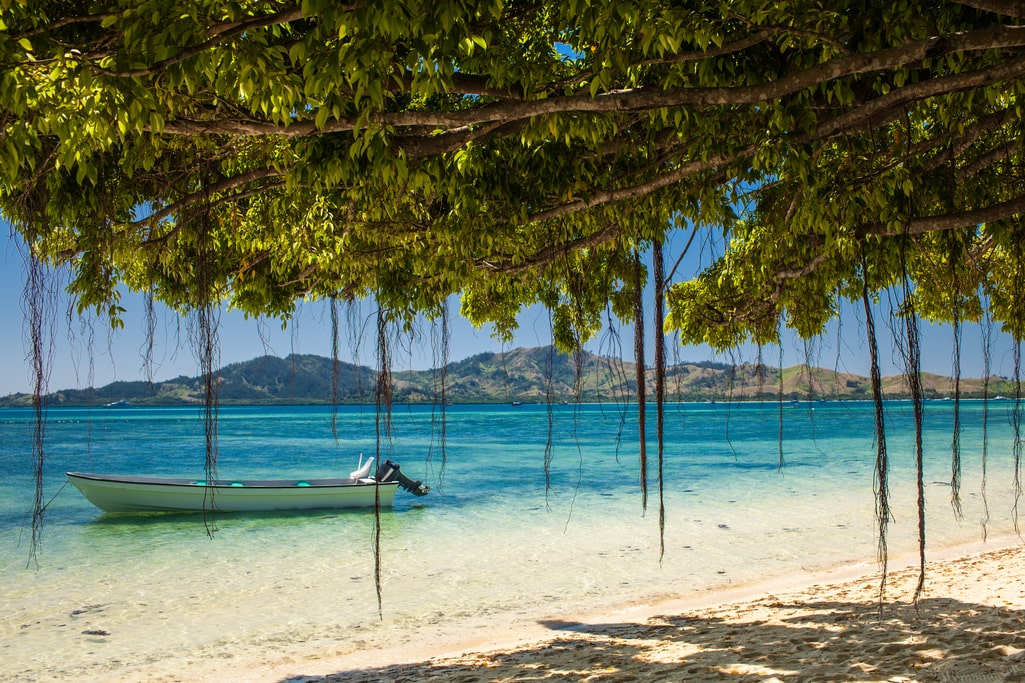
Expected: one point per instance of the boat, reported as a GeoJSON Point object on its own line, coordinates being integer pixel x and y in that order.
{"type": "Point", "coordinates": [118, 404]}
{"type": "Point", "coordinates": [125, 493]}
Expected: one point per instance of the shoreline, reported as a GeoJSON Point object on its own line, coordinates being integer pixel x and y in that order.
{"type": "Point", "coordinates": [22, 401]}
{"type": "Point", "coordinates": [972, 614]}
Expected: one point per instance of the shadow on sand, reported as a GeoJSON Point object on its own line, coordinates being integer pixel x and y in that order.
{"type": "Point", "coordinates": [772, 640]}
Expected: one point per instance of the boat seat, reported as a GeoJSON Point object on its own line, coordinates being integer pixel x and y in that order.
{"type": "Point", "coordinates": [363, 471]}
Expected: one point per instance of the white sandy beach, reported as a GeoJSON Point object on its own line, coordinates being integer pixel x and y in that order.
{"type": "Point", "coordinates": [968, 626]}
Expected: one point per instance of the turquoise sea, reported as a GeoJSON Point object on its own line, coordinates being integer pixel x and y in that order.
{"type": "Point", "coordinates": [119, 597]}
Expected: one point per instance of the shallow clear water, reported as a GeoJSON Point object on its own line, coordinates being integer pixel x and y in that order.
{"type": "Point", "coordinates": [496, 538]}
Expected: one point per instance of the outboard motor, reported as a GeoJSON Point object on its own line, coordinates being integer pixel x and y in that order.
{"type": "Point", "coordinates": [389, 471]}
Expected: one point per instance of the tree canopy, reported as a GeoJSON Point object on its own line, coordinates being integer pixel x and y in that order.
{"type": "Point", "coordinates": [521, 152]}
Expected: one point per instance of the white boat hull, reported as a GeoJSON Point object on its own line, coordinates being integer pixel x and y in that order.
{"type": "Point", "coordinates": [115, 493]}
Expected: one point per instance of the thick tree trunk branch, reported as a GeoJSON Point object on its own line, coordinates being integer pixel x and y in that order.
{"type": "Point", "coordinates": [643, 99]}
{"type": "Point", "coordinates": [894, 102]}
{"type": "Point", "coordinates": [887, 105]}
{"type": "Point", "coordinates": [996, 36]}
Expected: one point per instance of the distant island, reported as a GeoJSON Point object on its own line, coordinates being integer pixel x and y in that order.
{"type": "Point", "coordinates": [523, 375]}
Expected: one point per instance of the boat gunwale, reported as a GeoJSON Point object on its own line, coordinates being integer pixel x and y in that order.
{"type": "Point", "coordinates": [231, 484]}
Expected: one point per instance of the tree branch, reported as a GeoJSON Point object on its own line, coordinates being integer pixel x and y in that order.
{"type": "Point", "coordinates": [958, 145]}
{"type": "Point", "coordinates": [839, 125]}
{"type": "Point", "coordinates": [1007, 8]}
{"type": "Point", "coordinates": [554, 252]}
{"type": "Point", "coordinates": [994, 156]}
{"type": "Point", "coordinates": [753, 306]}
{"type": "Point", "coordinates": [680, 58]}
{"type": "Point", "coordinates": [897, 99]}
{"type": "Point", "coordinates": [682, 172]}
{"type": "Point", "coordinates": [423, 146]}
{"type": "Point", "coordinates": [61, 23]}
{"type": "Point", "coordinates": [218, 35]}
{"type": "Point", "coordinates": [921, 225]}
{"type": "Point", "coordinates": [203, 194]}
{"type": "Point", "coordinates": [643, 99]}
{"type": "Point", "coordinates": [466, 84]}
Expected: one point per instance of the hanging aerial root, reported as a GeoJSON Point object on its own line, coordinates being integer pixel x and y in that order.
{"type": "Point", "coordinates": [1018, 303]}
{"type": "Point", "coordinates": [660, 386]}
{"type": "Point", "coordinates": [1016, 422]}
{"type": "Point", "coordinates": [40, 301]}
{"type": "Point", "coordinates": [955, 439]}
{"type": "Point", "coordinates": [150, 312]}
{"type": "Point", "coordinates": [611, 348]}
{"type": "Point", "coordinates": [882, 490]}
{"type": "Point", "coordinates": [640, 376]}
{"type": "Point", "coordinates": [915, 377]}
{"type": "Point", "coordinates": [205, 341]}
{"type": "Point", "coordinates": [439, 427]}
{"type": "Point", "coordinates": [382, 422]}
{"type": "Point", "coordinates": [549, 373]}
{"type": "Point", "coordinates": [987, 350]}
{"type": "Point", "coordinates": [779, 415]}
{"type": "Point", "coordinates": [335, 367]}
{"type": "Point", "coordinates": [730, 384]}
{"type": "Point", "coordinates": [912, 355]}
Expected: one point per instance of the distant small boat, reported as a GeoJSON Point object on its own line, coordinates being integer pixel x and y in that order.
{"type": "Point", "coordinates": [118, 404]}
{"type": "Point", "coordinates": [121, 493]}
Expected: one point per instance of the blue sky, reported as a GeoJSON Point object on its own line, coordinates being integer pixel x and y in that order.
{"type": "Point", "coordinates": [118, 354]}
{"type": "Point", "coordinates": [94, 351]}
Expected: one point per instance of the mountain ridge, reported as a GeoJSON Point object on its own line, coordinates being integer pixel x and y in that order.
{"type": "Point", "coordinates": [524, 375]}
